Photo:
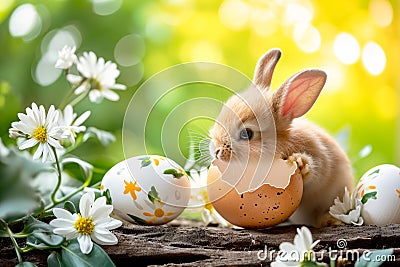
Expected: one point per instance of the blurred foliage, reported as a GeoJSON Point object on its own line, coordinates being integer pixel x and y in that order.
{"type": "Point", "coordinates": [145, 37]}
{"type": "Point", "coordinates": [17, 197]}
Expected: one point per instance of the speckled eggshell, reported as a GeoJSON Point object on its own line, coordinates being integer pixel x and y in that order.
{"type": "Point", "coordinates": [147, 189]}
{"type": "Point", "coordinates": [379, 190]}
{"type": "Point", "coordinates": [264, 207]}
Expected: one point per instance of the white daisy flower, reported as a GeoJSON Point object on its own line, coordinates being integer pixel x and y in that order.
{"type": "Point", "coordinates": [71, 124]}
{"type": "Point", "coordinates": [199, 200]}
{"type": "Point", "coordinates": [297, 253]}
{"type": "Point", "coordinates": [93, 222]}
{"type": "Point", "coordinates": [98, 76]}
{"type": "Point", "coordinates": [38, 129]}
{"type": "Point", "coordinates": [66, 57]}
{"type": "Point", "coordinates": [348, 210]}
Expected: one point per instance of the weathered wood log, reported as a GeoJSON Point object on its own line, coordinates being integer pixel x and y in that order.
{"type": "Point", "coordinates": [172, 245]}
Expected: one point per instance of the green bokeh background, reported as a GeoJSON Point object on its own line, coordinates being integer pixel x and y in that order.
{"type": "Point", "coordinates": [177, 31]}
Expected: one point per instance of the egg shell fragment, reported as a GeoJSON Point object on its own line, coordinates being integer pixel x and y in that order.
{"type": "Point", "coordinates": [147, 189]}
{"type": "Point", "coordinates": [266, 206]}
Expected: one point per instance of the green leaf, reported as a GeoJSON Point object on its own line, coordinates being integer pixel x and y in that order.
{"type": "Point", "coordinates": [367, 196]}
{"type": "Point", "coordinates": [107, 194]}
{"type": "Point", "coordinates": [74, 199]}
{"type": "Point", "coordinates": [86, 167]}
{"type": "Point", "coordinates": [376, 171]}
{"type": "Point", "coordinates": [153, 195]}
{"type": "Point", "coordinates": [33, 224]}
{"type": "Point", "coordinates": [26, 264]}
{"type": "Point", "coordinates": [104, 137]}
{"type": "Point", "coordinates": [373, 258]}
{"type": "Point", "coordinates": [137, 219]}
{"type": "Point", "coordinates": [146, 161]}
{"type": "Point", "coordinates": [54, 260]}
{"type": "Point", "coordinates": [33, 242]}
{"type": "Point", "coordinates": [69, 206]}
{"type": "Point", "coordinates": [17, 196]}
{"type": "Point", "coordinates": [309, 264]}
{"type": "Point", "coordinates": [72, 256]}
{"type": "Point", "coordinates": [49, 239]}
{"type": "Point", "coordinates": [174, 173]}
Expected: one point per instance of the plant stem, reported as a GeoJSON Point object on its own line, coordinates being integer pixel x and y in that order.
{"type": "Point", "coordinates": [15, 244]}
{"type": "Point", "coordinates": [53, 194]}
{"type": "Point", "coordinates": [65, 198]}
{"type": "Point", "coordinates": [65, 100]}
{"type": "Point", "coordinates": [20, 235]}
{"type": "Point", "coordinates": [79, 98]}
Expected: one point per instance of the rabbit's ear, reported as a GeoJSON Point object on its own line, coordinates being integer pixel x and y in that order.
{"type": "Point", "coordinates": [265, 68]}
{"type": "Point", "coordinates": [297, 95]}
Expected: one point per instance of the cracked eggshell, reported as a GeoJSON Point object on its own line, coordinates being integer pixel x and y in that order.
{"type": "Point", "coordinates": [265, 206]}
{"type": "Point", "coordinates": [379, 190]}
{"type": "Point", "coordinates": [147, 189]}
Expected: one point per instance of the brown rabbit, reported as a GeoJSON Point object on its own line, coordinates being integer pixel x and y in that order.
{"type": "Point", "coordinates": [263, 122]}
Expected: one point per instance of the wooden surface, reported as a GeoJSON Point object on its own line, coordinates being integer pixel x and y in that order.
{"type": "Point", "coordinates": [184, 245]}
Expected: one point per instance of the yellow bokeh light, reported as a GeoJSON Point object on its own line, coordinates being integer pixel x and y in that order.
{"type": "Point", "coordinates": [296, 13]}
{"type": "Point", "coordinates": [373, 58]}
{"type": "Point", "coordinates": [307, 37]}
{"type": "Point", "coordinates": [5, 4]}
{"type": "Point", "coordinates": [264, 22]}
{"type": "Point", "coordinates": [336, 76]}
{"type": "Point", "coordinates": [346, 48]}
{"type": "Point", "coordinates": [386, 102]}
{"type": "Point", "coordinates": [234, 14]}
{"type": "Point", "coordinates": [381, 12]}
{"type": "Point", "coordinates": [206, 51]}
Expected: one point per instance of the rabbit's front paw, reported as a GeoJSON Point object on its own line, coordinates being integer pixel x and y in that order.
{"type": "Point", "coordinates": [304, 163]}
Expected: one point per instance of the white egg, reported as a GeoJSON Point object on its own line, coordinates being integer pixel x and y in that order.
{"type": "Point", "coordinates": [379, 190]}
{"type": "Point", "coordinates": [147, 189]}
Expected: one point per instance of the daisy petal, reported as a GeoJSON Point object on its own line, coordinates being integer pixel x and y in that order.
{"type": "Point", "coordinates": [118, 86]}
{"type": "Point", "coordinates": [82, 88]}
{"type": "Point", "coordinates": [104, 237]}
{"type": "Point", "coordinates": [22, 127]}
{"type": "Point", "coordinates": [28, 143]}
{"type": "Point", "coordinates": [63, 214]}
{"type": "Point", "coordinates": [110, 95]}
{"type": "Point", "coordinates": [206, 216]}
{"type": "Point", "coordinates": [64, 231]}
{"type": "Point", "coordinates": [54, 143]}
{"type": "Point", "coordinates": [85, 203]}
{"type": "Point", "coordinates": [101, 212]}
{"type": "Point", "coordinates": [38, 152]}
{"type": "Point", "coordinates": [98, 203]}
{"type": "Point", "coordinates": [61, 223]}
{"type": "Point", "coordinates": [95, 96]}
{"type": "Point", "coordinates": [74, 79]}
{"type": "Point", "coordinates": [28, 121]}
{"type": "Point", "coordinates": [109, 223]}
{"type": "Point", "coordinates": [85, 243]}
{"type": "Point", "coordinates": [82, 118]}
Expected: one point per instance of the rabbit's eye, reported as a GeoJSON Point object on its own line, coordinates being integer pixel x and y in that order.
{"type": "Point", "coordinates": [246, 134]}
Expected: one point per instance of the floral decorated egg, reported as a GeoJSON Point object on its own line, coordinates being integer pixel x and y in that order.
{"type": "Point", "coordinates": [147, 189]}
{"type": "Point", "coordinates": [379, 191]}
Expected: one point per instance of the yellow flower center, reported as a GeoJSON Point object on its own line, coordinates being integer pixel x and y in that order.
{"type": "Point", "coordinates": [95, 84]}
{"type": "Point", "coordinates": [158, 212]}
{"type": "Point", "coordinates": [40, 134]}
{"type": "Point", "coordinates": [84, 226]}
{"type": "Point", "coordinates": [207, 202]}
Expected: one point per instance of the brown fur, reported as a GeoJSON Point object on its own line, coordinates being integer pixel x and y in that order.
{"type": "Point", "coordinates": [325, 167]}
